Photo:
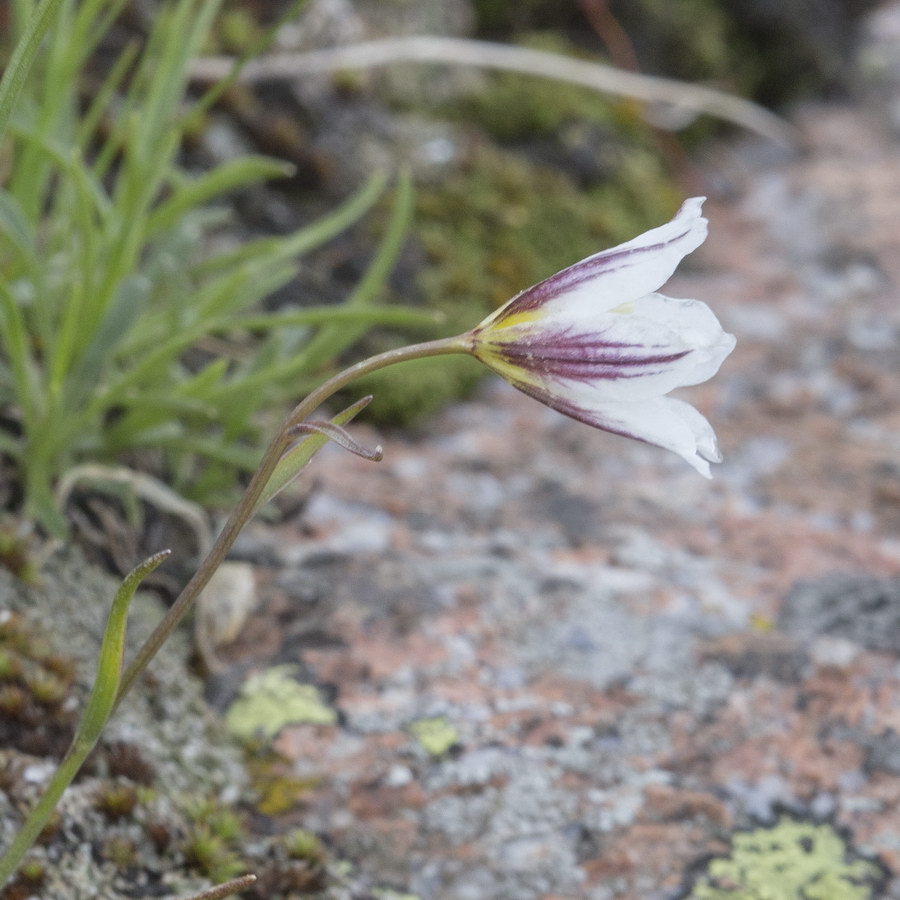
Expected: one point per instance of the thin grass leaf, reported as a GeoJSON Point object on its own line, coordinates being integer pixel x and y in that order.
{"type": "Point", "coordinates": [255, 50]}
{"type": "Point", "coordinates": [123, 312]}
{"type": "Point", "coordinates": [112, 651]}
{"type": "Point", "coordinates": [153, 420]}
{"type": "Point", "coordinates": [11, 445]}
{"type": "Point", "coordinates": [23, 58]}
{"type": "Point", "coordinates": [18, 235]}
{"type": "Point", "coordinates": [199, 385]}
{"type": "Point", "coordinates": [305, 239]}
{"type": "Point", "coordinates": [331, 340]}
{"type": "Point", "coordinates": [92, 22]}
{"type": "Point", "coordinates": [17, 346]}
{"type": "Point", "coordinates": [210, 448]}
{"type": "Point", "coordinates": [226, 177]}
{"type": "Point", "coordinates": [96, 714]}
{"type": "Point", "coordinates": [103, 96]}
{"type": "Point", "coordinates": [398, 316]}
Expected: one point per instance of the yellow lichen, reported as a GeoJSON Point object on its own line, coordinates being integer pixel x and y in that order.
{"type": "Point", "coordinates": [789, 860]}
{"type": "Point", "coordinates": [272, 699]}
{"type": "Point", "coordinates": [436, 735]}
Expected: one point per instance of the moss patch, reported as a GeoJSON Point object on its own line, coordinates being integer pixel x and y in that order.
{"type": "Point", "coordinates": [501, 223]}
{"type": "Point", "coordinates": [792, 859]}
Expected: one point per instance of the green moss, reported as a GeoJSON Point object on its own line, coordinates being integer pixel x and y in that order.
{"type": "Point", "coordinates": [304, 845]}
{"type": "Point", "coordinates": [211, 855]}
{"type": "Point", "coordinates": [32, 872]}
{"type": "Point", "coordinates": [436, 735]}
{"type": "Point", "coordinates": [221, 820]}
{"type": "Point", "coordinates": [692, 39]}
{"type": "Point", "coordinates": [501, 223]}
{"type": "Point", "coordinates": [10, 665]}
{"type": "Point", "coordinates": [116, 800]}
{"type": "Point", "coordinates": [770, 52]}
{"type": "Point", "coordinates": [237, 30]}
{"type": "Point", "coordinates": [495, 17]}
{"type": "Point", "coordinates": [279, 795]}
{"type": "Point", "coordinates": [792, 859]}
{"type": "Point", "coordinates": [17, 552]}
{"type": "Point", "coordinates": [120, 851]}
{"type": "Point", "coordinates": [272, 699]}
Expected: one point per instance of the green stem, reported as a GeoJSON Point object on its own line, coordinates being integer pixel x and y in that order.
{"type": "Point", "coordinates": [42, 812]}
{"type": "Point", "coordinates": [243, 512]}
{"type": "Point", "coordinates": [96, 714]}
{"type": "Point", "coordinates": [109, 688]}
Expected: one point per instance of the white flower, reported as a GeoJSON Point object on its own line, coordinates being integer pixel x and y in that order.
{"type": "Point", "coordinates": [597, 343]}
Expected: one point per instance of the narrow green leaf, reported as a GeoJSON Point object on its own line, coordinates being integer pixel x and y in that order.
{"type": "Point", "coordinates": [99, 707]}
{"type": "Point", "coordinates": [399, 316]}
{"type": "Point", "coordinates": [200, 384]}
{"type": "Point", "coordinates": [123, 312]}
{"type": "Point", "coordinates": [17, 345]}
{"type": "Point", "coordinates": [226, 177]}
{"type": "Point", "coordinates": [109, 663]}
{"type": "Point", "coordinates": [10, 445]}
{"type": "Point", "coordinates": [23, 57]}
{"type": "Point", "coordinates": [91, 117]}
{"type": "Point", "coordinates": [298, 457]}
{"type": "Point", "coordinates": [215, 92]}
{"type": "Point", "coordinates": [211, 448]}
{"type": "Point", "coordinates": [305, 239]}
{"type": "Point", "coordinates": [330, 341]}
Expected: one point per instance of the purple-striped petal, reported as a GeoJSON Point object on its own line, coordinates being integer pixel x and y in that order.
{"type": "Point", "coordinates": [662, 421]}
{"type": "Point", "coordinates": [596, 343]}
{"type": "Point", "coordinates": [612, 277]}
{"type": "Point", "coordinates": [660, 345]}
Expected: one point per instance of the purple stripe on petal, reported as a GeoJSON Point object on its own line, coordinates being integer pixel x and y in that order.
{"type": "Point", "coordinates": [567, 408]}
{"type": "Point", "coordinates": [575, 275]}
{"type": "Point", "coordinates": [583, 357]}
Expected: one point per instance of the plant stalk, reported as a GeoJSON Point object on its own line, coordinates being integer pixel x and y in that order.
{"type": "Point", "coordinates": [248, 502]}
{"type": "Point", "coordinates": [40, 815]}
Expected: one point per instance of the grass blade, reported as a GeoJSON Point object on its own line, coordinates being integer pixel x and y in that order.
{"type": "Point", "coordinates": [331, 340]}
{"type": "Point", "coordinates": [23, 58]}
{"type": "Point", "coordinates": [226, 177]}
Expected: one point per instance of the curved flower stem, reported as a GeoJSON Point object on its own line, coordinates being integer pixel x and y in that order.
{"type": "Point", "coordinates": [110, 688]}
{"type": "Point", "coordinates": [247, 505]}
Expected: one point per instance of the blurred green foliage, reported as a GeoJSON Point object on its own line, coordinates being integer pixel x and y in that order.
{"type": "Point", "coordinates": [121, 330]}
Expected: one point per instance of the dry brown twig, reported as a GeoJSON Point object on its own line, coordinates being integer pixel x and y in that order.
{"type": "Point", "coordinates": [688, 99]}
{"type": "Point", "coordinates": [225, 890]}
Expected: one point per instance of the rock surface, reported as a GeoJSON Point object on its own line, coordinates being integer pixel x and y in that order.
{"type": "Point", "coordinates": [628, 667]}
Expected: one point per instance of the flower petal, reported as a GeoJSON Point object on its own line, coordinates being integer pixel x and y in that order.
{"type": "Point", "coordinates": [660, 344]}
{"type": "Point", "coordinates": [613, 277]}
{"type": "Point", "coordinates": [663, 421]}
